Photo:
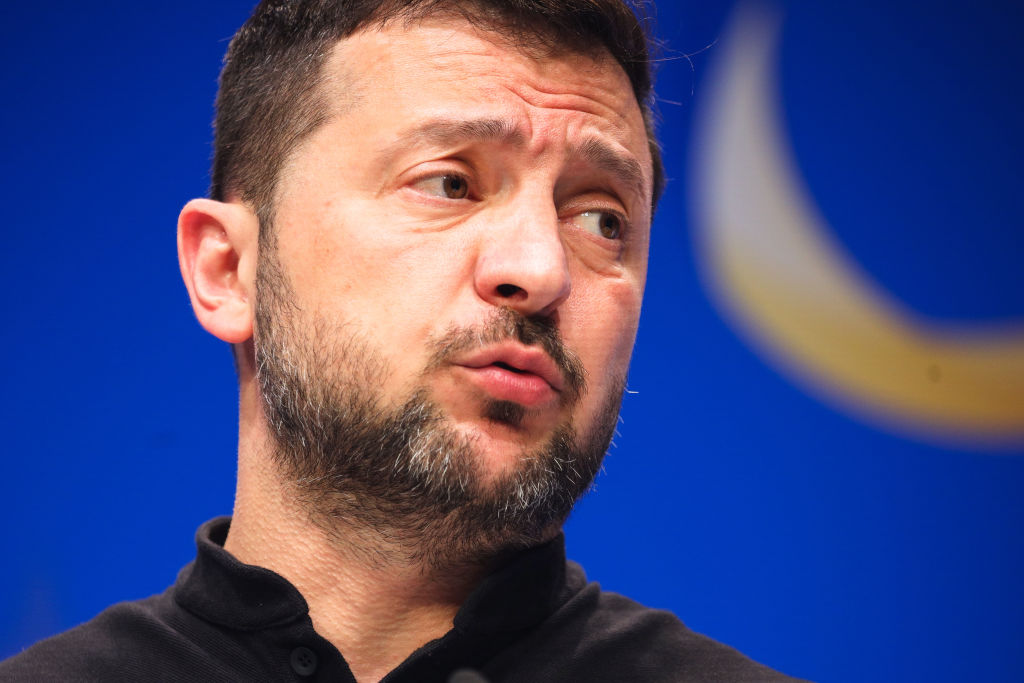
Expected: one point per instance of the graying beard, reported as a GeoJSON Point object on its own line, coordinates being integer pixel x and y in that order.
{"type": "Point", "coordinates": [403, 473]}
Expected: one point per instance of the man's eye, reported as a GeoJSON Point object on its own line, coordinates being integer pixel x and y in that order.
{"type": "Point", "coordinates": [447, 186]}
{"type": "Point", "coordinates": [603, 223]}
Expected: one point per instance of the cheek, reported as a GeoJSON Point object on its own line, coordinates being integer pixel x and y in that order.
{"type": "Point", "coordinates": [391, 285]}
{"type": "Point", "coordinates": [364, 257]}
{"type": "Point", "coordinates": [600, 325]}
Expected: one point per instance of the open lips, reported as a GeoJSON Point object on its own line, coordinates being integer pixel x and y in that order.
{"type": "Point", "coordinates": [516, 373]}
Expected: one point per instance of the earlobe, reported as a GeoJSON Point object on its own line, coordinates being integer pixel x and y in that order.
{"type": "Point", "coordinates": [217, 244]}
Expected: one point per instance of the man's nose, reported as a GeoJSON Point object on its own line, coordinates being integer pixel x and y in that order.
{"type": "Point", "coordinates": [522, 263]}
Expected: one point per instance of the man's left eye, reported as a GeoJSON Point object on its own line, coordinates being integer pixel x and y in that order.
{"type": "Point", "coordinates": [449, 186]}
{"type": "Point", "coordinates": [603, 223]}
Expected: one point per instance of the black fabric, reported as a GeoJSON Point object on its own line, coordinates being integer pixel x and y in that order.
{"type": "Point", "coordinates": [535, 620]}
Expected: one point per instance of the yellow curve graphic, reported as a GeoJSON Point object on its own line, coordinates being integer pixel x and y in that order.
{"type": "Point", "coordinates": [769, 260]}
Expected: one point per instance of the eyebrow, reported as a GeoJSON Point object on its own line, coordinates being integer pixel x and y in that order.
{"type": "Point", "coordinates": [495, 130]}
{"type": "Point", "coordinates": [448, 132]}
{"type": "Point", "coordinates": [445, 132]}
{"type": "Point", "coordinates": [625, 169]}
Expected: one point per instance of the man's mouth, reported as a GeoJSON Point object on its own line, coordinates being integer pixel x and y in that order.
{"type": "Point", "coordinates": [516, 373]}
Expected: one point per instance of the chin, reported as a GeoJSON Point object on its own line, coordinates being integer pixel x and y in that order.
{"type": "Point", "coordinates": [501, 447]}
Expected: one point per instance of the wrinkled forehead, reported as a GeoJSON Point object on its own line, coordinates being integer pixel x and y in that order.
{"type": "Point", "coordinates": [440, 66]}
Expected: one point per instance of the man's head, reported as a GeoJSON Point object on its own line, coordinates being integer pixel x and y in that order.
{"type": "Point", "coordinates": [453, 211]}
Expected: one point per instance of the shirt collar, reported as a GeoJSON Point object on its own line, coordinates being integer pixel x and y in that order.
{"type": "Point", "coordinates": [220, 589]}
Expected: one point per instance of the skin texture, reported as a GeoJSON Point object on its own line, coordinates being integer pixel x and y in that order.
{"type": "Point", "coordinates": [456, 176]}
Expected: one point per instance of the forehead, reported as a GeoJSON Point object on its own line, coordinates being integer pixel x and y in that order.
{"type": "Point", "coordinates": [444, 68]}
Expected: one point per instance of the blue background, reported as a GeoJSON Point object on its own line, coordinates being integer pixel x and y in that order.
{"type": "Point", "coordinates": [809, 540]}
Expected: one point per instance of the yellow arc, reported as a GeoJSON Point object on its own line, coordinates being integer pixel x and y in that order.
{"type": "Point", "coordinates": [770, 261]}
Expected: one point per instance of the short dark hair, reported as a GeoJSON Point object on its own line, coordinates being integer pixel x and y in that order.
{"type": "Point", "coordinates": [270, 97]}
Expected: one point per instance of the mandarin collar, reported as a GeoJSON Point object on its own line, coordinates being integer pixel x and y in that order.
{"type": "Point", "coordinates": [220, 589]}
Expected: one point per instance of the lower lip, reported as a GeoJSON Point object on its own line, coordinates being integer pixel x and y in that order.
{"type": "Point", "coordinates": [525, 389]}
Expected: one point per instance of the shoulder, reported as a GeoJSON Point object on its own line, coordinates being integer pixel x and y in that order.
{"type": "Point", "coordinates": [139, 640]}
{"type": "Point", "coordinates": [602, 636]}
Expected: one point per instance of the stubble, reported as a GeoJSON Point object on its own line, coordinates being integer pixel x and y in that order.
{"type": "Point", "coordinates": [404, 476]}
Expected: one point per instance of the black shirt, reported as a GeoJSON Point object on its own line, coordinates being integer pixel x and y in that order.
{"type": "Point", "coordinates": [535, 620]}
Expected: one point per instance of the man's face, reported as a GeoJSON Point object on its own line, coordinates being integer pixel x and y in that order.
{"type": "Point", "coordinates": [459, 186]}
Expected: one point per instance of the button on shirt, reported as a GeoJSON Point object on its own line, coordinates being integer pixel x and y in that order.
{"type": "Point", "coordinates": [536, 619]}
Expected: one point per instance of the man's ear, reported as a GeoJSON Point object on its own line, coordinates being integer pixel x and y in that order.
{"type": "Point", "coordinates": [217, 244]}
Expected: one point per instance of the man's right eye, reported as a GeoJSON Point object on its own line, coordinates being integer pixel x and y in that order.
{"type": "Point", "coordinates": [447, 186]}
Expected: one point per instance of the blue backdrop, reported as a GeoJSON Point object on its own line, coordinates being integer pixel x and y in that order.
{"type": "Point", "coordinates": [743, 493]}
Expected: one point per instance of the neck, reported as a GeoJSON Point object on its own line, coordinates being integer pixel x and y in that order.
{"type": "Point", "coordinates": [374, 603]}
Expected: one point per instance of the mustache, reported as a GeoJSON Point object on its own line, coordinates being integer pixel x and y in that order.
{"type": "Point", "coordinates": [508, 324]}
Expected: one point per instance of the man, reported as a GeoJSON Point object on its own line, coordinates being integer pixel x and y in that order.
{"type": "Point", "coordinates": [427, 241]}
